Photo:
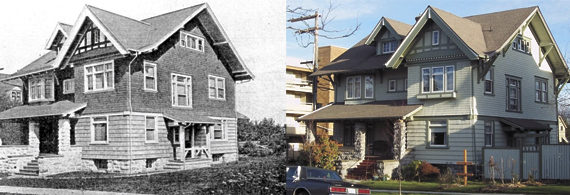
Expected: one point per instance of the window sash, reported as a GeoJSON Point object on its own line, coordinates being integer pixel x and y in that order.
{"type": "Point", "coordinates": [100, 129]}
{"type": "Point", "coordinates": [151, 132]}
{"type": "Point", "coordinates": [99, 76]}
{"type": "Point", "coordinates": [219, 131]}
{"type": "Point", "coordinates": [41, 88]}
{"type": "Point", "coordinates": [150, 81]}
{"type": "Point", "coordinates": [391, 85]}
{"type": "Point", "coordinates": [438, 131]}
{"type": "Point", "coordinates": [216, 87]}
{"type": "Point", "coordinates": [191, 41]}
{"type": "Point", "coordinates": [353, 87]}
{"type": "Point", "coordinates": [369, 87]}
{"type": "Point", "coordinates": [489, 82]}
{"type": "Point", "coordinates": [183, 99]}
{"type": "Point", "coordinates": [426, 72]}
{"type": "Point", "coordinates": [435, 38]}
{"type": "Point", "coordinates": [489, 131]}
{"type": "Point", "coordinates": [513, 95]}
{"type": "Point", "coordinates": [68, 86]}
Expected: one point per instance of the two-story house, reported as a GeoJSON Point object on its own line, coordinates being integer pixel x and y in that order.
{"type": "Point", "coordinates": [447, 84]}
{"type": "Point", "coordinates": [125, 95]}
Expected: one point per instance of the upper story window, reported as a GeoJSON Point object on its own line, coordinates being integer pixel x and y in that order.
{"type": "Point", "coordinates": [92, 39]}
{"type": "Point", "coordinates": [68, 86]}
{"type": "Point", "coordinates": [99, 129]}
{"type": "Point", "coordinates": [513, 94]}
{"type": "Point", "coordinates": [438, 133]}
{"type": "Point", "coordinates": [191, 41]}
{"type": "Point", "coordinates": [99, 77]}
{"type": "Point", "coordinates": [150, 76]}
{"type": "Point", "coordinates": [368, 87]}
{"type": "Point", "coordinates": [41, 89]}
{"type": "Point", "coordinates": [435, 37]}
{"type": "Point", "coordinates": [353, 85]}
{"type": "Point", "coordinates": [389, 46]}
{"type": "Point", "coordinates": [489, 77]}
{"type": "Point", "coordinates": [438, 79]}
{"type": "Point", "coordinates": [522, 44]}
{"type": "Point", "coordinates": [541, 90]}
{"type": "Point", "coordinates": [216, 87]}
{"type": "Point", "coordinates": [181, 90]}
{"type": "Point", "coordinates": [16, 96]}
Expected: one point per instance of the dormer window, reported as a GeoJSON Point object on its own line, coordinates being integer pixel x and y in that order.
{"type": "Point", "coordinates": [522, 44]}
{"type": "Point", "coordinates": [389, 46]}
{"type": "Point", "coordinates": [40, 89]}
{"type": "Point", "coordinates": [191, 41]}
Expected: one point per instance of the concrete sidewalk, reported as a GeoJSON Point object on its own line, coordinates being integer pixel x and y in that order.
{"type": "Point", "coordinates": [28, 190]}
{"type": "Point", "coordinates": [426, 192]}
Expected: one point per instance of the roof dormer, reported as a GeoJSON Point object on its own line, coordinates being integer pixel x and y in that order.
{"type": "Point", "coordinates": [58, 36]}
{"type": "Point", "coordinates": [387, 35]}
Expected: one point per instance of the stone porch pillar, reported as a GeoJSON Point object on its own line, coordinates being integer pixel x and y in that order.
{"type": "Point", "coordinates": [399, 139]}
{"type": "Point", "coordinates": [310, 132]}
{"type": "Point", "coordinates": [360, 139]}
{"type": "Point", "coordinates": [63, 136]}
{"type": "Point", "coordinates": [33, 138]}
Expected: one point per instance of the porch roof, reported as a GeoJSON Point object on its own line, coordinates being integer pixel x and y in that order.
{"type": "Point", "coordinates": [524, 124]}
{"type": "Point", "coordinates": [188, 117]}
{"type": "Point", "coordinates": [57, 108]}
{"type": "Point", "coordinates": [333, 112]}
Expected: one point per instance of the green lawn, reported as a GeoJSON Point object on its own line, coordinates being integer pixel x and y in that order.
{"type": "Point", "coordinates": [472, 187]}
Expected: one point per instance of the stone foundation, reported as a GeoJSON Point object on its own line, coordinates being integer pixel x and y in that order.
{"type": "Point", "coordinates": [125, 166]}
{"type": "Point", "coordinates": [14, 158]}
{"type": "Point", "coordinates": [68, 161]}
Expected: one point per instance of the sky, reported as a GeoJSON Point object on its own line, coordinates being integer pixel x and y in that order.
{"type": "Point", "coordinates": [367, 13]}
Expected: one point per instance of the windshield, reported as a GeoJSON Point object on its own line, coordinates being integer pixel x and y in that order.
{"type": "Point", "coordinates": [322, 174]}
{"type": "Point", "coordinates": [291, 172]}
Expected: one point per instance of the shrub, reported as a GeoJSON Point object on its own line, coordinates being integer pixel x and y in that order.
{"type": "Point", "coordinates": [447, 177]}
{"type": "Point", "coordinates": [252, 149]}
{"type": "Point", "coordinates": [428, 170]}
{"type": "Point", "coordinates": [322, 153]}
{"type": "Point", "coordinates": [412, 170]}
{"type": "Point", "coordinates": [266, 131]}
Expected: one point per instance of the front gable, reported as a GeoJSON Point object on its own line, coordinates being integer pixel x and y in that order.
{"type": "Point", "coordinates": [425, 48]}
{"type": "Point", "coordinates": [90, 42]}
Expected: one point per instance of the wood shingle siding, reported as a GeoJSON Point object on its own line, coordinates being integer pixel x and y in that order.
{"type": "Point", "coordinates": [229, 145]}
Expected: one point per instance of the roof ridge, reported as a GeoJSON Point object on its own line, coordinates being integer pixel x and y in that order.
{"type": "Point", "coordinates": [163, 14]}
{"type": "Point", "coordinates": [61, 23]}
{"type": "Point", "coordinates": [466, 17]}
{"type": "Point", "coordinates": [142, 22]}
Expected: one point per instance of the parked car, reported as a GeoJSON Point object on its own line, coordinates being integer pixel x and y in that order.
{"type": "Point", "coordinates": [303, 180]}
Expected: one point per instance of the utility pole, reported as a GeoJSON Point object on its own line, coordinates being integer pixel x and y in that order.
{"type": "Point", "coordinates": [315, 31]}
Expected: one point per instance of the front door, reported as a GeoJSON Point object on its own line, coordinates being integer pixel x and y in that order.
{"type": "Point", "coordinates": [48, 136]}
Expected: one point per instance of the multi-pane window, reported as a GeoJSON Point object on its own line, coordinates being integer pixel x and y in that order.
{"type": "Point", "coordinates": [191, 41]}
{"type": "Point", "coordinates": [435, 37]}
{"type": "Point", "coordinates": [489, 81]}
{"type": "Point", "coordinates": [513, 94]}
{"type": "Point", "coordinates": [150, 76]}
{"type": "Point", "coordinates": [150, 129]}
{"type": "Point", "coordinates": [521, 44]}
{"type": "Point", "coordinates": [16, 96]}
{"type": "Point", "coordinates": [438, 133]}
{"type": "Point", "coordinates": [438, 79]}
{"type": "Point", "coordinates": [99, 76]}
{"type": "Point", "coordinates": [92, 39]}
{"type": "Point", "coordinates": [391, 85]}
{"type": "Point", "coordinates": [353, 85]}
{"type": "Point", "coordinates": [489, 130]}
{"type": "Point", "coordinates": [389, 46]}
{"type": "Point", "coordinates": [368, 87]}
{"type": "Point", "coordinates": [541, 90]}
{"type": "Point", "coordinates": [68, 86]}
{"type": "Point", "coordinates": [216, 87]}
{"type": "Point", "coordinates": [219, 131]}
{"type": "Point", "coordinates": [99, 131]}
{"type": "Point", "coordinates": [40, 88]}
{"type": "Point", "coordinates": [181, 90]}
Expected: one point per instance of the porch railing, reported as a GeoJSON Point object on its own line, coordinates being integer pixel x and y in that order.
{"type": "Point", "coordinates": [197, 151]}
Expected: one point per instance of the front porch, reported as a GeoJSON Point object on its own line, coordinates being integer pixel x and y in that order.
{"type": "Point", "coordinates": [191, 143]}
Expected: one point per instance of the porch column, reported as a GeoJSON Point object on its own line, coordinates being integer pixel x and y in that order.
{"type": "Point", "coordinates": [360, 139]}
{"type": "Point", "coordinates": [33, 138]}
{"type": "Point", "coordinates": [209, 132]}
{"type": "Point", "coordinates": [182, 143]}
{"type": "Point", "coordinates": [310, 131]}
{"type": "Point", "coordinates": [192, 132]}
{"type": "Point", "coordinates": [63, 136]}
{"type": "Point", "coordinates": [399, 139]}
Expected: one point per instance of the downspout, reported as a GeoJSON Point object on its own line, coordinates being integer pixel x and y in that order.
{"type": "Point", "coordinates": [130, 106]}
{"type": "Point", "coordinates": [472, 117]}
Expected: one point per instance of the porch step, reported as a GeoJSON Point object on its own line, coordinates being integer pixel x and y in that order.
{"type": "Point", "coordinates": [31, 169]}
{"type": "Point", "coordinates": [174, 165]}
{"type": "Point", "coordinates": [364, 170]}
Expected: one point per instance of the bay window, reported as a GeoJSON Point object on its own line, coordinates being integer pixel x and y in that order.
{"type": "Point", "coordinates": [41, 88]}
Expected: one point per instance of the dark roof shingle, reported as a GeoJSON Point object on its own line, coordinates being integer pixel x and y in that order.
{"type": "Point", "coordinates": [361, 111]}
{"type": "Point", "coordinates": [27, 111]}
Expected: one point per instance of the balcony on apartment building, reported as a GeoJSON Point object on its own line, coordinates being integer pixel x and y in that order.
{"type": "Point", "coordinates": [299, 109]}
{"type": "Point", "coordinates": [296, 130]}
{"type": "Point", "coordinates": [299, 85]}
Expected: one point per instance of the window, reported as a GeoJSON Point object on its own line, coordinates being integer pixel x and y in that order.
{"type": "Point", "coordinates": [149, 76]}
{"type": "Point", "coordinates": [175, 135]}
{"type": "Point", "coordinates": [541, 90]}
{"type": "Point", "coordinates": [150, 127]}
{"type": "Point", "coordinates": [522, 44]}
{"type": "Point", "coordinates": [389, 46]}
{"type": "Point", "coordinates": [68, 86]}
{"type": "Point", "coordinates": [40, 89]}
{"type": "Point", "coordinates": [489, 131]}
{"type": "Point", "coordinates": [191, 41]}
{"type": "Point", "coordinates": [99, 131]}
{"type": "Point", "coordinates": [99, 77]}
{"type": "Point", "coordinates": [101, 164]}
{"type": "Point", "coordinates": [150, 162]}
{"type": "Point", "coordinates": [92, 39]}
{"type": "Point", "coordinates": [406, 84]}
{"type": "Point", "coordinates": [216, 87]}
{"type": "Point", "coordinates": [353, 87]}
{"type": "Point", "coordinates": [513, 94]}
{"type": "Point", "coordinates": [368, 87]}
{"type": "Point", "coordinates": [391, 85]}
{"type": "Point", "coordinates": [181, 90]}
{"type": "Point", "coordinates": [435, 37]}
{"type": "Point", "coordinates": [438, 79]}
{"type": "Point", "coordinates": [219, 131]}
{"type": "Point", "coordinates": [438, 133]}
{"type": "Point", "coordinates": [489, 81]}
{"type": "Point", "coordinates": [16, 96]}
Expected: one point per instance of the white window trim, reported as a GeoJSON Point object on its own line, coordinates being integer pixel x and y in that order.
{"type": "Point", "coordinates": [433, 34]}
{"type": "Point", "coordinates": [105, 86]}
{"type": "Point", "coordinates": [174, 91]}
{"type": "Point", "coordinates": [43, 89]}
{"type": "Point", "coordinates": [216, 79]}
{"type": "Point", "coordinates": [223, 125]}
{"type": "Point", "coordinates": [390, 48]}
{"type": "Point", "coordinates": [198, 39]}
{"type": "Point", "coordinates": [444, 90]}
{"type": "Point", "coordinates": [155, 129]}
{"type": "Point", "coordinates": [354, 95]}
{"type": "Point", "coordinates": [68, 91]}
{"type": "Point", "coordinates": [372, 77]}
{"type": "Point", "coordinates": [491, 79]}
{"type": "Point", "coordinates": [153, 76]}
{"type": "Point", "coordinates": [492, 133]}
{"type": "Point", "coordinates": [390, 85]}
{"type": "Point", "coordinates": [541, 91]}
{"type": "Point", "coordinates": [446, 139]}
{"type": "Point", "coordinates": [92, 129]}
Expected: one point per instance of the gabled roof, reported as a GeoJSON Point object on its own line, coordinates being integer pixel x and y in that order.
{"type": "Point", "coordinates": [398, 27]}
{"type": "Point", "coordinates": [468, 31]}
{"type": "Point", "coordinates": [43, 63]}
{"type": "Point", "coordinates": [62, 28]}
